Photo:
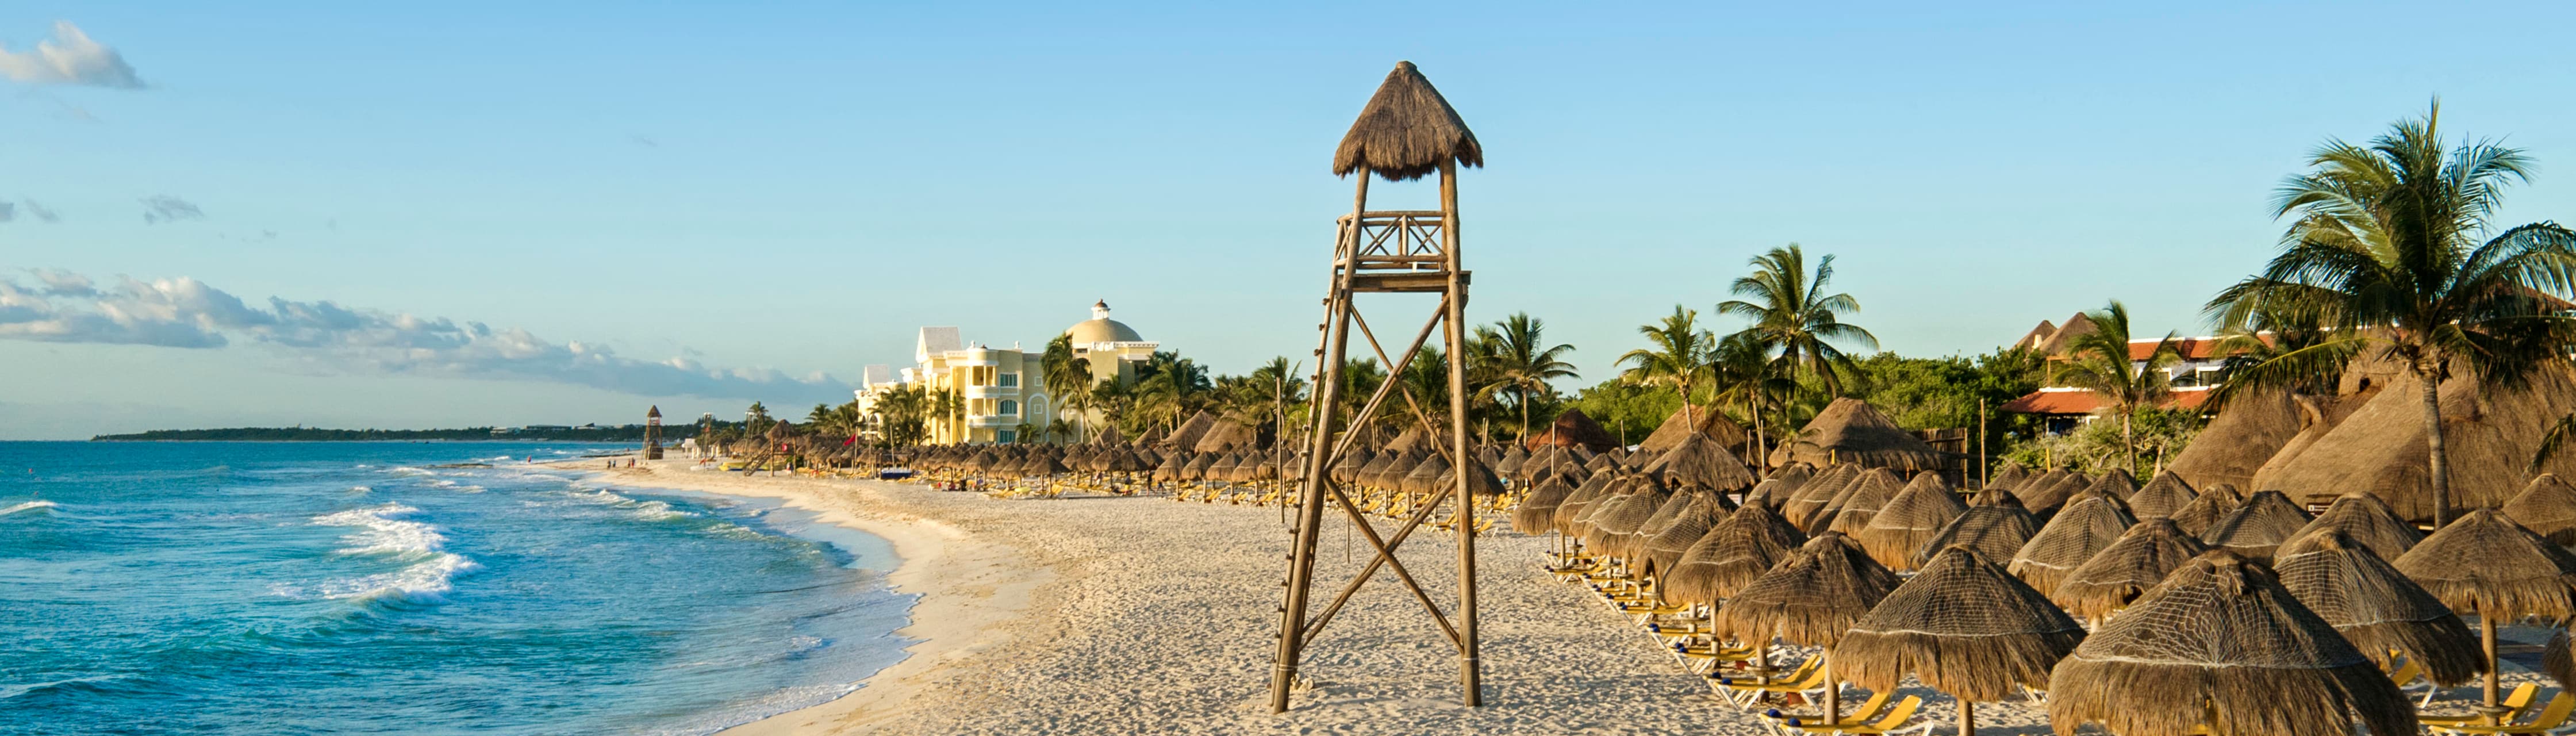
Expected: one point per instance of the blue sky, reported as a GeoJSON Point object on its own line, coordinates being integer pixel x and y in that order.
{"type": "Point", "coordinates": [784, 193]}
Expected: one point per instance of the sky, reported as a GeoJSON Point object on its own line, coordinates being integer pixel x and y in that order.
{"type": "Point", "coordinates": [469, 213]}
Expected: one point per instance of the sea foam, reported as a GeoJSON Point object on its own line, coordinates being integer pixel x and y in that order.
{"type": "Point", "coordinates": [28, 506]}
{"type": "Point", "coordinates": [381, 531]}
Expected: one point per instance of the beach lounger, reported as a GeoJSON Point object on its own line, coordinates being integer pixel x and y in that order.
{"type": "Point", "coordinates": [1890, 723]}
{"type": "Point", "coordinates": [2552, 717]}
{"type": "Point", "coordinates": [2519, 700]}
{"type": "Point", "coordinates": [1867, 711]}
{"type": "Point", "coordinates": [1744, 689]}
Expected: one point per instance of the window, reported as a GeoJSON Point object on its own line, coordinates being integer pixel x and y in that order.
{"type": "Point", "coordinates": [1006, 436]}
{"type": "Point", "coordinates": [1008, 380]}
{"type": "Point", "coordinates": [1009, 408]}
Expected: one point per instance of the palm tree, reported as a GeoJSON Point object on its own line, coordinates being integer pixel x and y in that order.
{"type": "Point", "coordinates": [2386, 248]}
{"type": "Point", "coordinates": [2099, 361]}
{"type": "Point", "coordinates": [1677, 352]}
{"type": "Point", "coordinates": [1741, 372]}
{"type": "Point", "coordinates": [1068, 377]}
{"type": "Point", "coordinates": [1509, 357]}
{"type": "Point", "coordinates": [1792, 314]}
{"type": "Point", "coordinates": [1172, 386]}
{"type": "Point", "coordinates": [950, 407]}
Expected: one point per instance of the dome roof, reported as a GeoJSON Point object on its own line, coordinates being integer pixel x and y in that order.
{"type": "Point", "coordinates": [1100, 328]}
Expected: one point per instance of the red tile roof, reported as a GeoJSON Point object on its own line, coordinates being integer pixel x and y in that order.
{"type": "Point", "coordinates": [2073, 401]}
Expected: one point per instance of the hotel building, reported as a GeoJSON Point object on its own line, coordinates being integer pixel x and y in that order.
{"type": "Point", "coordinates": [1004, 389]}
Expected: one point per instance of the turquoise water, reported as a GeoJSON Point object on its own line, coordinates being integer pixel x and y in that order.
{"type": "Point", "coordinates": [289, 588]}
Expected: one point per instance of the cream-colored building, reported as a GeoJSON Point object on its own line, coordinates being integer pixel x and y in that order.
{"type": "Point", "coordinates": [1004, 390]}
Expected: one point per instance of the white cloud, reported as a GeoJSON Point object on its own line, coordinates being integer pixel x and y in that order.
{"type": "Point", "coordinates": [187, 313]}
{"type": "Point", "coordinates": [70, 57]}
{"type": "Point", "coordinates": [166, 208]}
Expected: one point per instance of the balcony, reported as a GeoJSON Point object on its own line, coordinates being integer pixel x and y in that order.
{"type": "Point", "coordinates": [993, 421]}
{"type": "Point", "coordinates": [1395, 251]}
{"type": "Point", "coordinates": [990, 392]}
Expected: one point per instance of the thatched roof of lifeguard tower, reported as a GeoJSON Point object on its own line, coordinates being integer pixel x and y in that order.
{"type": "Point", "coordinates": [1851, 431]}
{"type": "Point", "coordinates": [1406, 131]}
{"type": "Point", "coordinates": [1575, 429]}
{"type": "Point", "coordinates": [1716, 426]}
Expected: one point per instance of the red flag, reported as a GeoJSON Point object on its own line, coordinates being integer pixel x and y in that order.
{"type": "Point", "coordinates": [851, 440]}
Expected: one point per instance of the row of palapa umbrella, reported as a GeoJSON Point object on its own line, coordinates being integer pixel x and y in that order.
{"type": "Point", "coordinates": [2239, 615]}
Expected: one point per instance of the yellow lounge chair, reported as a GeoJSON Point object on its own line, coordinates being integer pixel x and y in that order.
{"type": "Point", "coordinates": [2552, 717]}
{"type": "Point", "coordinates": [1867, 711]}
{"type": "Point", "coordinates": [1744, 689]}
{"type": "Point", "coordinates": [2519, 700]}
{"type": "Point", "coordinates": [1895, 718]}
{"type": "Point", "coordinates": [2406, 673]}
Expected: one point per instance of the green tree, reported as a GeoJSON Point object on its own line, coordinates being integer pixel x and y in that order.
{"type": "Point", "coordinates": [2100, 361]}
{"type": "Point", "coordinates": [2386, 248]}
{"type": "Point", "coordinates": [1512, 356]}
{"type": "Point", "coordinates": [1068, 378]}
{"type": "Point", "coordinates": [1677, 352]}
{"type": "Point", "coordinates": [1792, 314]}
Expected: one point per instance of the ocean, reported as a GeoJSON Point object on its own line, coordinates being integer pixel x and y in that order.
{"type": "Point", "coordinates": [292, 588]}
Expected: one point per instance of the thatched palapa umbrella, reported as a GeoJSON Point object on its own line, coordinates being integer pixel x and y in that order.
{"type": "Point", "coordinates": [2486, 564]}
{"type": "Point", "coordinates": [1537, 512]}
{"type": "Point", "coordinates": [2380, 610]}
{"type": "Point", "coordinates": [1849, 430]}
{"type": "Point", "coordinates": [2086, 526]}
{"type": "Point", "coordinates": [1697, 462]}
{"type": "Point", "coordinates": [2256, 529]}
{"type": "Point", "coordinates": [2011, 475]}
{"type": "Point", "coordinates": [2204, 511]}
{"type": "Point", "coordinates": [1809, 599]}
{"type": "Point", "coordinates": [2161, 497]}
{"type": "Point", "coordinates": [1736, 551]}
{"type": "Point", "coordinates": [2547, 507]}
{"type": "Point", "coordinates": [1666, 549]}
{"type": "Point", "coordinates": [2133, 564]}
{"type": "Point", "coordinates": [1996, 530]}
{"type": "Point", "coordinates": [1909, 521]}
{"type": "Point", "coordinates": [2117, 484]}
{"type": "Point", "coordinates": [1851, 513]}
{"type": "Point", "coordinates": [1575, 429]}
{"type": "Point", "coordinates": [2255, 662]}
{"type": "Point", "coordinates": [2363, 519]}
{"type": "Point", "coordinates": [1964, 627]}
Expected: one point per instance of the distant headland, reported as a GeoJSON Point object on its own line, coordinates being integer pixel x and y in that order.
{"type": "Point", "coordinates": [530, 433]}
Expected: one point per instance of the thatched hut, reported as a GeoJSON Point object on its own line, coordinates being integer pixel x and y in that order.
{"type": "Point", "coordinates": [1809, 599]}
{"type": "Point", "coordinates": [2239, 440]}
{"type": "Point", "coordinates": [2380, 610]}
{"type": "Point", "coordinates": [1909, 521]}
{"type": "Point", "coordinates": [2362, 519]}
{"type": "Point", "coordinates": [1736, 551]}
{"type": "Point", "coordinates": [2134, 563]}
{"type": "Point", "coordinates": [1996, 530]}
{"type": "Point", "coordinates": [1962, 626]}
{"type": "Point", "coordinates": [2086, 526]}
{"type": "Point", "coordinates": [1575, 429]}
{"type": "Point", "coordinates": [1851, 431]}
{"type": "Point", "coordinates": [2256, 529]}
{"type": "Point", "coordinates": [2258, 662]}
{"type": "Point", "coordinates": [2547, 507]}
{"type": "Point", "coordinates": [2162, 496]}
{"type": "Point", "coordinates": [2489, 435]}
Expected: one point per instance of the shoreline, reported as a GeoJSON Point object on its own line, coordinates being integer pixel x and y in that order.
{"type": "Point", "coordinates": [946, 622]}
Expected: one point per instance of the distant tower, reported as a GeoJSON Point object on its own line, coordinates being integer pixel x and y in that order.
{"type": "Point", "coordinates": [1406, 132]}
{"type": "Point", "coordinates": [653, 433]}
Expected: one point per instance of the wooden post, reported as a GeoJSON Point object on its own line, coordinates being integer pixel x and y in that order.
{"type": "Point", "coordinates": [1967, 717]}
{"type": "Point", "coordinates": [1470, 675]}
{"type": "Point", "coordinates": [1984, 473]}
{"type": "Point", "coordinates": [2486, 639]}
{"type": "Point", "coordinates": [1310, 510]}
{"type": "Point", "coordinates": [1833, 690]}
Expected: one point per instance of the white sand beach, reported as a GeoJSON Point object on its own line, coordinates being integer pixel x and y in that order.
{"type": "Point", "coordinates": [1145, 616]}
